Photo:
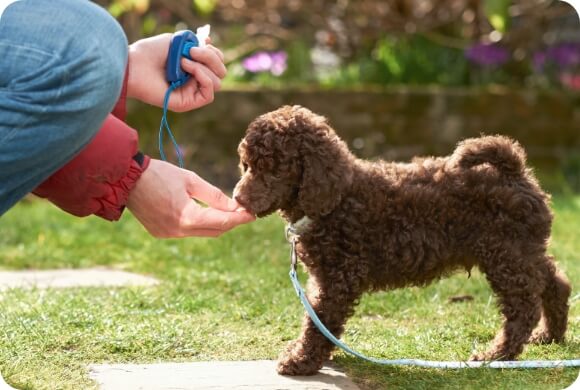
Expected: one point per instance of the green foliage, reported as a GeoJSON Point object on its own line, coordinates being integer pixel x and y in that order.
{"type": "Point", "coordinates": [205, 7]}
{"type": "Point", "coordinates": [149, 25]}
{"type": "Point", "coordinates": [431, 54]}
{"type": "Point", "coordinates": [416, 60]}
{"type": "Point", "coordinates": [497, 11]}
{"type": "Point", "coordinates": [119, 7]}
{"type": "Point", "coordinates": [571, 171]}
{"type": "Point", "coordinates": [299, 63]}
{"type": "Point", "coordinates": [403, 60]}
{"type": "Point", "coordinates": [435, 55]}
{"type": "Point", "coordinates": [230, 299]}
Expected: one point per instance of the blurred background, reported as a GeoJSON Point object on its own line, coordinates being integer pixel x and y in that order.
{"type": "Point", "coordinates": [396, 78]}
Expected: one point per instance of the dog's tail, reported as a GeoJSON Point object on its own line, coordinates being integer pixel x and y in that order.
{"type": "Point", "coordinates": [505, 154]}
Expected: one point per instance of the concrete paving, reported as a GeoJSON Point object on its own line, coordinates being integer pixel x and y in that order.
{"type": "Point", "coordinates": [4, 385]}
{"type": "Point", "coordinates": [245, 375]}
{"type": "Point", "coordinates": [66, 278]}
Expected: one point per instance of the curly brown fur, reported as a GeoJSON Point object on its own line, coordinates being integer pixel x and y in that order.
{"type": "Point", "coordinates": [385, 225]}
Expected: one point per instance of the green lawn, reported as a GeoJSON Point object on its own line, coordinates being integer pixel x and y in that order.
{"type": "Point", "coordinates": [230, 299]}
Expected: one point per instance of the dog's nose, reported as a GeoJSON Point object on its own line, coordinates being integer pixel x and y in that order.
{"type": "Point", "coordinates": [239, 199]}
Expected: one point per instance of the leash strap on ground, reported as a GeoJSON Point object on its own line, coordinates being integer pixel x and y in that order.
{"type": "Point", "coordinates": [407, 362]}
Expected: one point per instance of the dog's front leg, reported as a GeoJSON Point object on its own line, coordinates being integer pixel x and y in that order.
{"type": "Point", "coordinates": [306, 355]}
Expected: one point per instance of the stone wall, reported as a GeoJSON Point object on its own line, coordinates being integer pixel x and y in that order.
{"type": "Point", "coordinates": [393, 124]}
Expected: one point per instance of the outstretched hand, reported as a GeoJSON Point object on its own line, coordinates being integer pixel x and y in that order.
{"type": "Point", "coordinates": [163, 198]}
{"type": "Point", "coordinates": [146, 82]}
{"type": "Point", "coordinates": [163, 201]}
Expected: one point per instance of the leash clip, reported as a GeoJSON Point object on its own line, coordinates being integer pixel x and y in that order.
{"type": "Point", "coordinates": [292, 237]}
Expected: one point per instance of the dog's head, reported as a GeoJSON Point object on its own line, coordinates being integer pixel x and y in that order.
{"type": "Point", "coordinates": [292, 160]}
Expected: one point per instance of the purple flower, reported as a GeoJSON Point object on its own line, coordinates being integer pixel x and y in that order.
{"type": "Point", "coordinates": [539, 60]}
{"type": "Point", "coordinates": [263, 61]}
{"type": "Point", "coordinates": [563, 56]}
{"type": "Point", "coordinates": [490, 55]}
{"type": "Point", "coordinates": [279, 65]}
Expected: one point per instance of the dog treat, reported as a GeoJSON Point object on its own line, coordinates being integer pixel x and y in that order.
{"type": "Point", "coordinates": [202, 34]}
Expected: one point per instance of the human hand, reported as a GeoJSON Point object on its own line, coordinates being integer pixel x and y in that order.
{"type": "Point", "coordinates": [147, 58]}
{"type": "Point", "coordinates": [162, 202]}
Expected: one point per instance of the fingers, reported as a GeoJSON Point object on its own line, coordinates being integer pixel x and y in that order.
{"type": "Point", "coordinates": [197, 221]}
{"type": "Point", "coordinates": [210, 57]}
{"type": "Point", "coordinates": [189, 67]}
{"type": "Point", "coordinates": [207, 69]}
{"type": "Point", "coordinates": [211, 222]}
{"type": "Point", "coordinates": [162, 202]}
{"type": "Point", "coordinates": [200, 189]}
{"type": "Point", "coordinates": [216, 81]}
{"type": "Point", "coordinates": [219, 53]}
{"type": "Point", "coordinates": [191, 95]}
{"type": "Point", "coordinates": [201, 233]}
{"type": "Point", "coordinates": [218, 218]}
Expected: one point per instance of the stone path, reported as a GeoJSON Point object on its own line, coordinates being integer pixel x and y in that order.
{"type": "Point", "coordinates": [4, 385]}
{"type": "Point", "coordinates": [246, 375]}
{"type": "Point", "coordinates": [95, 277]}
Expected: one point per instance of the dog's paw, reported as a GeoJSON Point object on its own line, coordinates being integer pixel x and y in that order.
{"type": "Point", "coordinates": [489, 356]}
{"type": "Point", "coordinates": [296, 366]}
{"type": "Point", "coordinates": [295, 362]}
{"type": "Point", "coordinates": [478, 357]}
{"type": "Point", "coordinates": [541, 336]}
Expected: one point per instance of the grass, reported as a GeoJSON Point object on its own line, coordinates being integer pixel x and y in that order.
{"type": "Point", "coordinates": [230, 299]}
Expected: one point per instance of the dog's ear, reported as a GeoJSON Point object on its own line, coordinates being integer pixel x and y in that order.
{"type": "Point", "coordinates": [326, 161]}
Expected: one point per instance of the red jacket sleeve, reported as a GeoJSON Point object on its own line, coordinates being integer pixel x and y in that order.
{"type": "Point", "coordinates": [99, 179]}
{"type": "Point", "coordinates": [120, 109]}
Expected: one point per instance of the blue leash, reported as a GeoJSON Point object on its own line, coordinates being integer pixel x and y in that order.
{"type": "Point", "coordinates": [165, 126]}
{"type": "Point", "coordinates": [292, 238]}
{"type": "Point", "coordinates": [179, 47]}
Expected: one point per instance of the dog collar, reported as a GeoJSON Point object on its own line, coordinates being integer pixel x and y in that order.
{"type": "Point", "coordinates": [293, 232]}
{"type": "Point", "coordinates": [299, 227]}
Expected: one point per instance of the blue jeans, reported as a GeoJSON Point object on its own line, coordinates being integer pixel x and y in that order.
{"type": "Point", "coordinates": [62, 64]}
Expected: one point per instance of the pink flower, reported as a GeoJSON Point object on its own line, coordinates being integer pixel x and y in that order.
{"type": "Point", "coordinates": [263, 61]}
{"type": "Point", "coordinates": [571, 81]}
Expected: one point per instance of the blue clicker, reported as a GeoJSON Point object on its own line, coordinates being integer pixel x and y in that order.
{"type": "Point", "coordinates": [181, 43]}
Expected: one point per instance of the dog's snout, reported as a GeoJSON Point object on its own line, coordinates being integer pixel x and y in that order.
{"type": "Point", "coordinates": [241, 201]}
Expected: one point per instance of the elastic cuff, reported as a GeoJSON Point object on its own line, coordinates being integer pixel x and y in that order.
{"type": "Point", "coordinates": [139, 158]}
{"type": "Point", "coordinates": [113, 205]}
{"type": "Point", "coordinates": [99, 179]}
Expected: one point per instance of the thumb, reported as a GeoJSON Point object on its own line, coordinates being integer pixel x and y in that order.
{"type": "Point", "coordinates": [200, 189]}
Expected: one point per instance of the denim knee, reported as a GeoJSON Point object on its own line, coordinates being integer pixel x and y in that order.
{"type": "Point", "coordinates": [113, 61]}
{"type": "Point", "coordinates": [78, 54]}
{"type": "Point", "coordinates": [61, 75]}
{"type": "Point", "coordinates": [105, 51]}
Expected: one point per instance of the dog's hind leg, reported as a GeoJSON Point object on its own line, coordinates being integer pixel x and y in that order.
{"type": "Point", "coordinates": [307, 354]}
{"type": "Point", "coordinates": [518, 286]}
{"type": "Point", "coordinates": [554, 305]}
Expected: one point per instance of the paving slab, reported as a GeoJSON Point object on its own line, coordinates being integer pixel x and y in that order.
{"type": "Point", "coordinates": [66, 278]}
{"type": "Point", "coordinates": [244, 375]}
{"type": "Point", "coordinates": [4, 385]}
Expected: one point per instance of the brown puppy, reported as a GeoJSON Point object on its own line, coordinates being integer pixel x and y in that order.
{"type": "Point", "coordinates": [384, 225]}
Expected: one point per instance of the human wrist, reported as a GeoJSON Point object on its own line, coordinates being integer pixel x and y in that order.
{"type": "Point", "coordinates": [123, 189]}
{"type": "Point", "coordinates": [133, 59]}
